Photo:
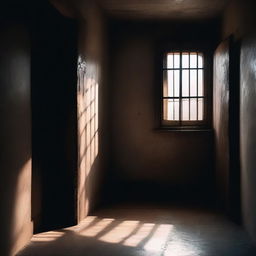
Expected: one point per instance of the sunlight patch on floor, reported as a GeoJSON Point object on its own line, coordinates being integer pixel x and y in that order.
{"type": "Point", "coordinates": [141, 233]}
{"type": "Point", "coordinates": [97, 228]}
{"type": "Point", "coordinates": [47, 236]}
{"type": "Point", "coordinates": [120, 232]}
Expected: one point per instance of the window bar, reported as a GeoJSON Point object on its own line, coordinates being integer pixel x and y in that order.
{"type": "Point", "coordinates": [180, 101]}
{"type": "Point", "coordinates": [205, 91]}
{"type": "Point", "coordinates": [164, 105]}
{"type": "Point", "coordinates": [197, 86]}
{"type": "Point", "coordinates": [182, 68]}
{"type": "Point", "coordinates": [185, 97]}
{"type": "Point", "coordinates": [173, 89]}
{"type": "Point", "coordinates": [188, 86]}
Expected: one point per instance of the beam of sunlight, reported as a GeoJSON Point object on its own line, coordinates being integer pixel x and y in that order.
{"type": "Point", "coordinates": [88, 137]}
{"type": "Point", "coordinates": [47, 236]}
{"type": "Point", "coordinates": [140, 235]}
{"type": "Point", "coordinates": [120, 232]}
{"type": "Point", "coordinates": [97, 228]}
{"type": "Point", "coordinates": [87, 113]}
{"type": "Point", "coordinates": [159, 239]}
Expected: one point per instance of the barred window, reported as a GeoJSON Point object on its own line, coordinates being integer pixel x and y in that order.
{"type": "Point", "coordinates": [183, 97]}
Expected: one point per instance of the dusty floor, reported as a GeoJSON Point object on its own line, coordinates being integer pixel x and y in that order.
{"type": "Point", "coordinates": [141, 231]}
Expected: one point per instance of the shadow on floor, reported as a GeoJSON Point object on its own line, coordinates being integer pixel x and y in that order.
{"type": "Point", "coordinates": [131, 231]}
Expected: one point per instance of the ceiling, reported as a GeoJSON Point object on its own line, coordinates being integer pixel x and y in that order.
{"type": "Point", "coordinates": [164, 9]}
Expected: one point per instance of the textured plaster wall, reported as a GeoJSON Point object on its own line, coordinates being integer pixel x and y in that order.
{"type": "Point", "coordinates": [221, 119]}
{"type": "Point", "coordinates": [239, 19]}
{"type": "Point", "coordinates": [15, 138]}
{"type": "Point", "coordinates": [248, 138]}
{"type": "Point", "coordinates": [144, 160]}
{"type": "Point", "coordinates": [92, 110]}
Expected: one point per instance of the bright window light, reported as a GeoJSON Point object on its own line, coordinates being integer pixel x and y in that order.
{"type": "Point", "coordinates": [183, 88]}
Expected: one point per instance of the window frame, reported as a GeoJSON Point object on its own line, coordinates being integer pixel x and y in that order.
{"type": "Point", "coordinates": [207, 85]}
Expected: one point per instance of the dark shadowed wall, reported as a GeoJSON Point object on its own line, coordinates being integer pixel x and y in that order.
{"type": "Point", "coordinates": [15, 137]}
{"type": "Point", "coordinates": [54, 120]}
{"type": "Point", "coordinates": [248, 138]}
{"type": "Point", "coordinates": [226, 126]}
{"type": "Point", "coordinates": [239, 19]}
{"type": "Point", "coordinates": [145, 160]}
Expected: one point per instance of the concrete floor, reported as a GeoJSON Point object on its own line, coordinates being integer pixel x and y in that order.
{"type": "Point", "coordinates": [140, 231]}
